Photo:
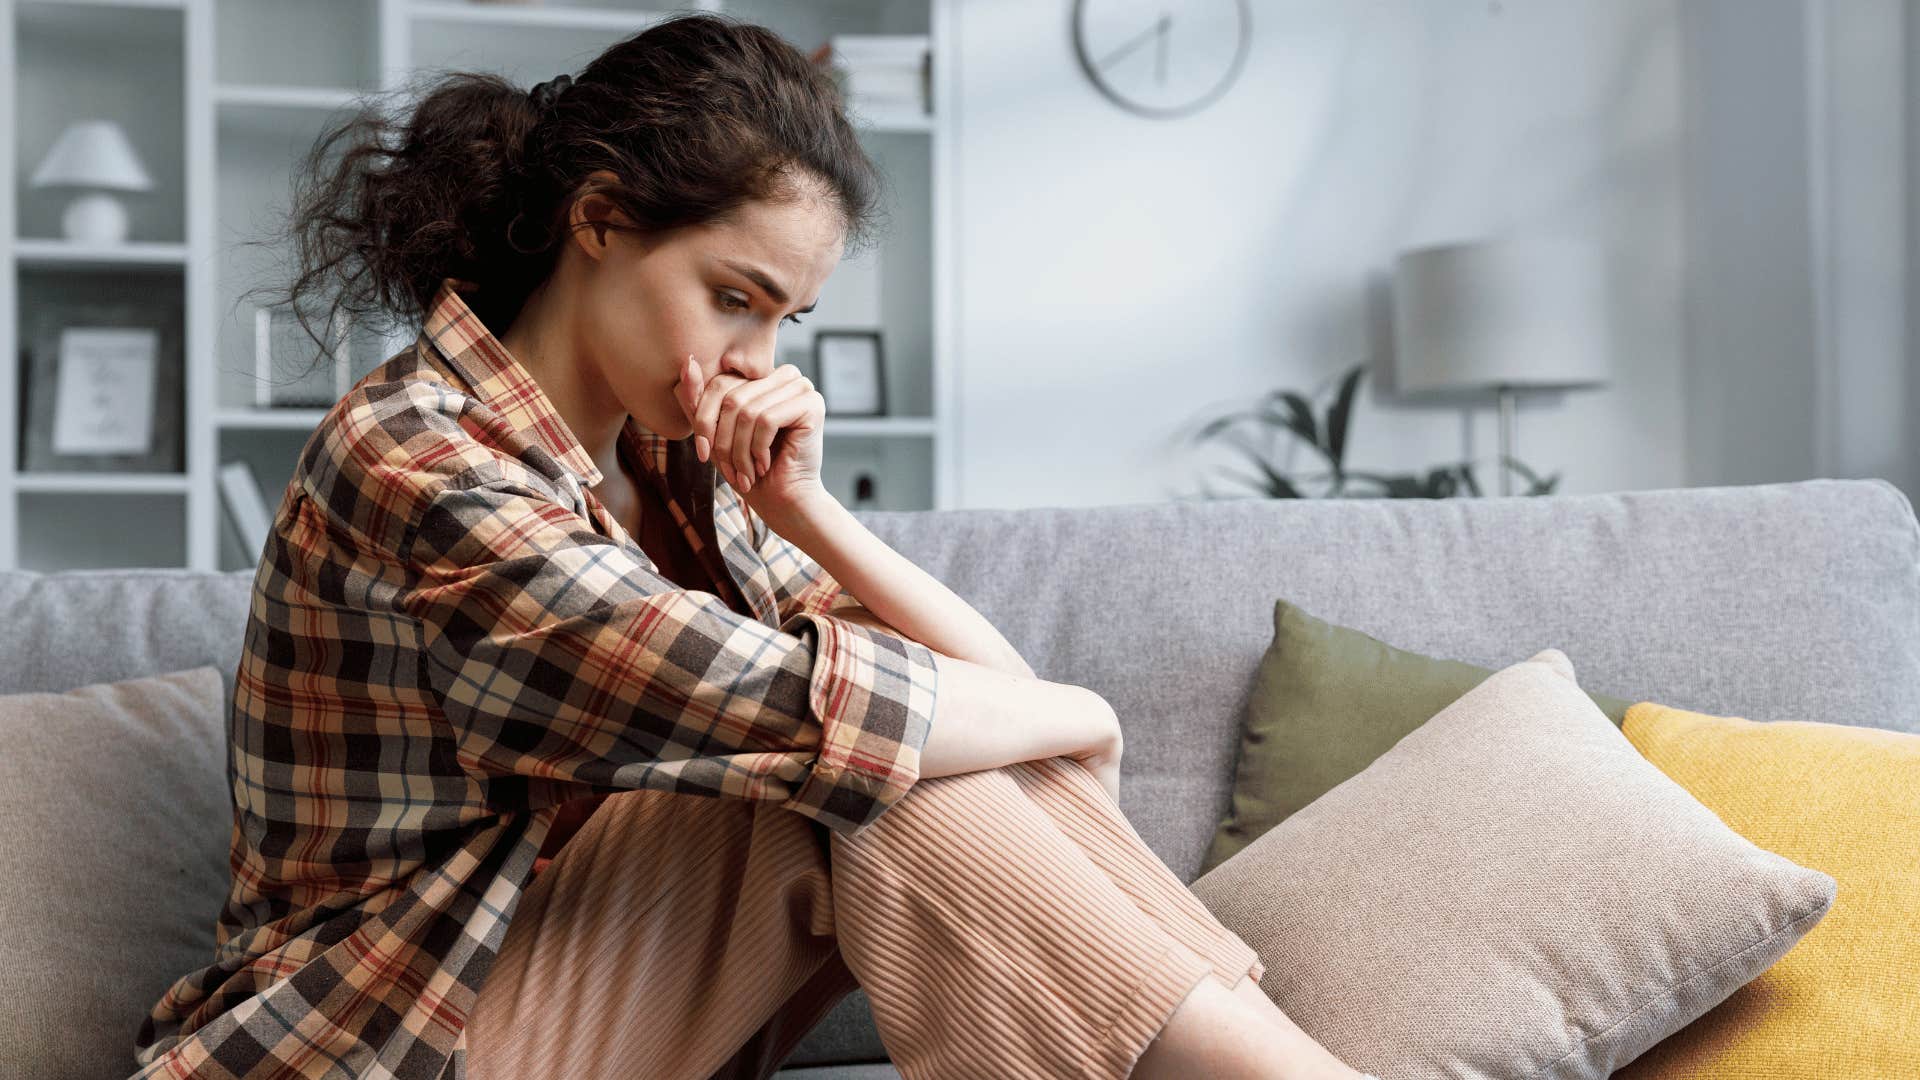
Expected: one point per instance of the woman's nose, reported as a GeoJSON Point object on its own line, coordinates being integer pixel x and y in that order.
{"type": "Point", "coordinates": [747, 365]}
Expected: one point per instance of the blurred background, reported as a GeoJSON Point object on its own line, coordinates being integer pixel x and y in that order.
{"type": "Point", "coordinates": [1137, 251]}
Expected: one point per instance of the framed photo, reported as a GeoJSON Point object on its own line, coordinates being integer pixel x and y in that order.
{"type": "Point", "coordinates": [286, 374]}
{"type": "Point", "coordinates": [103, 373]}
{"type": "Point", "coordinates": [851, 372]}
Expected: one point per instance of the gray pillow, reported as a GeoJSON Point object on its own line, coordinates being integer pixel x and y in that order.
{"type": "Point", "coordinates": [113, 863]}
{"type": "Point", "coordinates": [1511, 891]}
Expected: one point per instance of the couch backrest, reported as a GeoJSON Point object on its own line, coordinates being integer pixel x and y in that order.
{"type": "Point", "coordinates": [1773, 601]}
{"type": "Point", "coordinates": [1778, 601]}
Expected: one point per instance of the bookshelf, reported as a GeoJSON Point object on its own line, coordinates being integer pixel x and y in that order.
{"type": "Point", "coordinates": [222, 97]}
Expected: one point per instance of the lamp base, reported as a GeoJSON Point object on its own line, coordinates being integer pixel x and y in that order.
{"type": "Point", "coordinates": [95, 218]}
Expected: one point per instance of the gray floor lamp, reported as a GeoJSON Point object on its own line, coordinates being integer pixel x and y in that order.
{"type": "Point", "coordinates": [1508, 316]}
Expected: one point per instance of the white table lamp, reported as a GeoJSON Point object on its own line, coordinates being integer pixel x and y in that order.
{"type": "Point", "coordinates": [93, 155]}
{"type": "Point", "coordinates": [1505, 316]}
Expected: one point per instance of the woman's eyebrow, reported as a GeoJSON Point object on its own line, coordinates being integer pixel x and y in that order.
{"type": "Point", "coordinates": [759, 277]}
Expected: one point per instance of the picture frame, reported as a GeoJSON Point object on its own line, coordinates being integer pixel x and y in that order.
{"type": "Point", "coordinates": [851, 372]}
{"type": "Point", "coordinates": [128, 332]}
{"type": "Point", "coordinates": [283, 353]}
{"type": "Point", "coordinates": [284, 373]}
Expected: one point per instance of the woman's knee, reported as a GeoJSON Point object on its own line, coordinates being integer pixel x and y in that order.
{"type": "Point", "coordinates": [938, 811]}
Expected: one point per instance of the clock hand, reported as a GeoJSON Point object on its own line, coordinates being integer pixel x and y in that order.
{"type": "Point", "coordinates": [1135, 42]}
{"type": "Point", "coordinates": [1160, 66]}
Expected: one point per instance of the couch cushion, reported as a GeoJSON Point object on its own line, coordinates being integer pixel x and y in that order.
{"type": "Point", "coordinates": [1512, 890]}
{"type": "Point", "coordinates": [59, 631]}
{"type": "Point", "coordinates": [1326, 701]}
{"type": "Point", "coordinates": [1843, 800]}
{"type": "Point", "coordinates": [113, 864]}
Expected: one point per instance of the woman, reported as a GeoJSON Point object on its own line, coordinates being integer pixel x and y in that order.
{"type": "Point", "coordinates": [554, 753]}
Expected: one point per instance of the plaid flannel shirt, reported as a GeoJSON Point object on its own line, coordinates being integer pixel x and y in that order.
{"type": "Point", "coordinates": [450, 636]}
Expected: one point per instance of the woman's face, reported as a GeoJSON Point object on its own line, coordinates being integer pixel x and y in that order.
{"type": "Point", "coordinates": [720, 292]}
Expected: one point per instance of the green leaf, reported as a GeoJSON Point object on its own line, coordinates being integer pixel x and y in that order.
{"type": "Point", "coordinates": [1216, 426]}
{"type": "Point", "coordinates": [1337, 416]}
{"type": "Point", "coordinates": [1276, 483]}
{"type": "Point", "coordinates": [1301, 413]}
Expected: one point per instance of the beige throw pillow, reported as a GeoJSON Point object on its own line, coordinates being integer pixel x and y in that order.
{"type": "Point", "coordinates": [113, 862]}
{"type": "Point", "coordinates": [1510, 891]}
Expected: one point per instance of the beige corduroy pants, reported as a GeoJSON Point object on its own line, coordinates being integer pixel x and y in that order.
{"type": "Point", "coordinates": [1004, 923]}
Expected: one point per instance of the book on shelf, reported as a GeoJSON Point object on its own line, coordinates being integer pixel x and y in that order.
{"type": "Point", "coordinates": [883, 72]}
{"type": "Point", "coordinates": [246, 506]}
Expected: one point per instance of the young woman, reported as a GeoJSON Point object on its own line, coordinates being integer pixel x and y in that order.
{"type": "Point", "coordinates": [561, 745]}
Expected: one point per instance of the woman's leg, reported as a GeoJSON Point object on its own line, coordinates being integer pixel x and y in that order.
{"type": "Point", "coordinates": [674, 936]}
{"type": "Point", "coordinates": [1233, 1018]}
{"type": "Point", "coordinates": [1005, 923]}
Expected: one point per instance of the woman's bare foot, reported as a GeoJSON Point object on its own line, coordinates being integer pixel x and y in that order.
{"type": "Point", "coordinates": [1239, 1033]}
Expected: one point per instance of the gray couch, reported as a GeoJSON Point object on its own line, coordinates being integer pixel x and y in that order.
{"type": "Point", "coordinates": [1777, 601]}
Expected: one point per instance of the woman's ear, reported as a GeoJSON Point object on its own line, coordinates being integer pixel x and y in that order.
{"type": "Point", "coordinates": [598, 215]}
{"type": "Point", "coordinates": [601, 218]}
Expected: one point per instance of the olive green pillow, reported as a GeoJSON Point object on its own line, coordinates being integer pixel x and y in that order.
{"type": "Point", "coordinates": [1326, 701]}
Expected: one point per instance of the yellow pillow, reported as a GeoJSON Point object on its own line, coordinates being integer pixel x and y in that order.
{"type": "Point", "coordinates": [1844, 1001]}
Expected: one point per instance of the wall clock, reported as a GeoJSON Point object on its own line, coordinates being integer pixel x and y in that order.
{"type": "Point", "coordinates": [1162, 58]}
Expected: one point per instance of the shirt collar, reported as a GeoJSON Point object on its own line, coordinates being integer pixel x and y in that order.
{"type": "Point", "coordinates": [495, 377]}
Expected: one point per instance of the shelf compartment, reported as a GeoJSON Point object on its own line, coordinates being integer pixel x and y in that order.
{"type": "Point", "coordinates": [901, 471]}
{"type": "Point", "coordinates": [525, 45]}
{"type": "Point", "coordinates": [297, 43]}
{"type": "Point", "coordinates": [258, 147]}
{"type": "Point", "coordinates": [272, 455]}
{"type": "Point", "coordinates": [100, 530]}
{"type": "Point", "coordinates": [887, 285]}
{"type": "Point", "coordinates": [119, 62]}
{"type": "Point", "coordinates": [50, 300]}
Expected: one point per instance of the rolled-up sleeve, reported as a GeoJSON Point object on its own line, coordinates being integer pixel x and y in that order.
{"type": "Point", "coordinates": [560, 655]}
{"type": "Point", "coordinates": [799, 583]}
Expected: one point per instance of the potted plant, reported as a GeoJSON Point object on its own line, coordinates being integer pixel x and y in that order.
{"type": "Point", "coordinates": [1291, 413]}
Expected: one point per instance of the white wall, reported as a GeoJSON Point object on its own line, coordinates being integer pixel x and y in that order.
{"type": "Point", "coordinates": [1797, 240]}
{"type": "Point", "coordinates": [1858, 51]}
{"type": "Point", "coordinates": [1120, 278]}
{"type": "Point", "coordinates": [1751, 378]}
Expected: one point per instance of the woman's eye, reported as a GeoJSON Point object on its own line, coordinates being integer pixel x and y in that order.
{"type": "Point", "coordinates": [733, 303]}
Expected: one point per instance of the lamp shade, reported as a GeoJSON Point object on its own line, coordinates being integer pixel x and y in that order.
{"type": "Point", "coordinates": [1528, 313]}
{"type": "Point", "coordinates": [93, 154]}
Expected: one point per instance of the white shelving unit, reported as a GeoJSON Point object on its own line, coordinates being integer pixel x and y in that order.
{"type": "Point", "coordinates": [223, 97]}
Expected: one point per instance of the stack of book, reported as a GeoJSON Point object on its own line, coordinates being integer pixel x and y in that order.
{"type": "Point", "coordinates": [884, 73]}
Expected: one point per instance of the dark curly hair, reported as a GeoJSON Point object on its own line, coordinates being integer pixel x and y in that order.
{"type": "Point", "coordinates": [696, 115]}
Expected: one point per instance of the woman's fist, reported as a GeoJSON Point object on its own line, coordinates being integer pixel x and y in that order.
{"type": "Point", "coordinates": [763, 435]}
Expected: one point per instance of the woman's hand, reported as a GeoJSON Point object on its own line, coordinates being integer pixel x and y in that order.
{"type": "Point", "coordinates": [1101, 755]}
{"type": "Point", "coordinates": [763, 435]}
{"type": "Point", "coordinates": [1100, 750]}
